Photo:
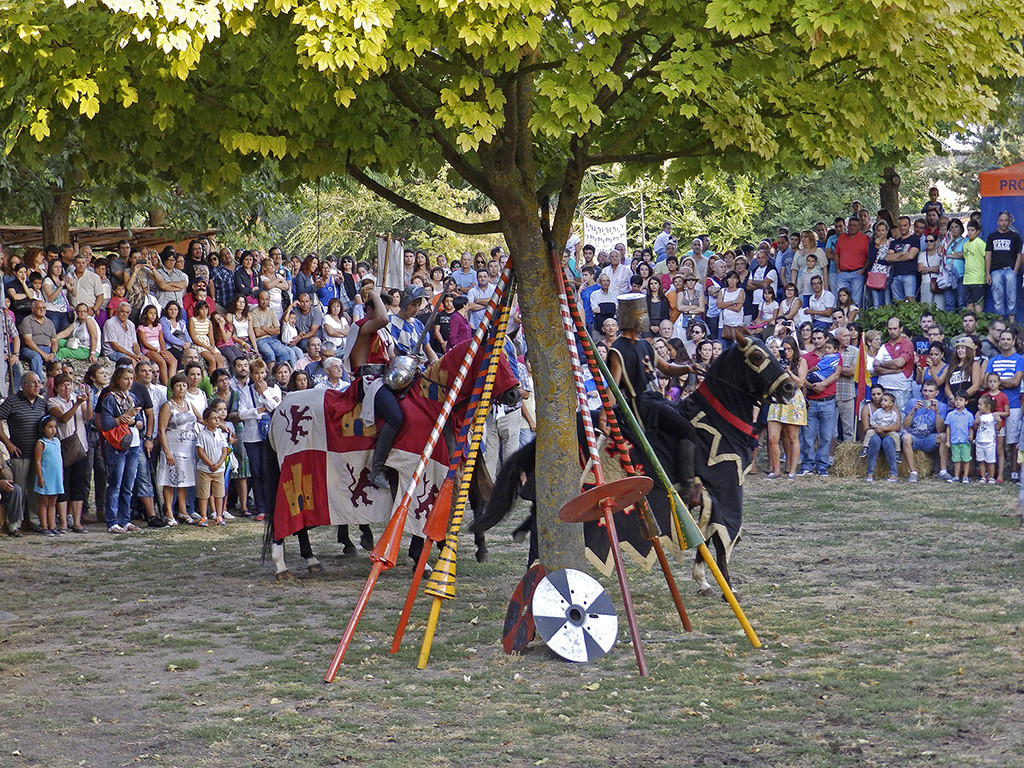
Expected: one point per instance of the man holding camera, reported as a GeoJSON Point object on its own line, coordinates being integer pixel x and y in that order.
{"type": "Point", "coordinates": [923, 423]}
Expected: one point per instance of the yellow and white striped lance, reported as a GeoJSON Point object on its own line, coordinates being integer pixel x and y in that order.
{"type": "Point", "coordinates": [442, 581]}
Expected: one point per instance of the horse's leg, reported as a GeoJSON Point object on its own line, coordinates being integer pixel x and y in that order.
{"type": "Point", "coordinates": [700, 576]}
{"type": "Point", "coordinates": [366, 538]}
{"type": "Point", "coordinates": [534, 543]}
{"type": "Point", "coordinates": [277, 553]}
{"type": "Point", "coordinates": [415, 548]}
{"type": "Point", "coordinates": [312, 564]}
{"type": "Point", "coordinates": [722, 558]}
{"type": "Point", "coordinates": [343, 538]}
{"type": "Point", "coordinates": [524, 529]}
{"type": "Point", "coordinates": [482, 555]}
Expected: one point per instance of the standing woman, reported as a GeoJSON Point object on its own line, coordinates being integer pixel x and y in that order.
{"type": "Point", "coordinates": [350, 282]}
{"type": "Point", "coordinates": [72, 410]}
{"type": "Point", "coordinates": [304, 280]}
{"type": "Point", "coordinates": [657, 304]}
{"type": "Point", "coordinates": [96, 380]}
{"type": "Point", "coordinates": [55, 296]}
{"type": "Point", "coordinates": [176, 472]}
{"type": "Point", "coordinates": [151, 342]}
{"type": "Point", "coordinates": [785, 419]}
{"type": "Point", "coordinates": [247, 279]}
{"type": "Point", "coordinates": [799, 274]}
{"type": "Point", "coordinates": [878, 249]}
{"type": "Point", "coordinates": [964, 375]}
{"type": "Point", "coordinates": [952, 249]}
{"type": "Point", "coordinates": [119, 406]}
{"type": "Point", "coordinates": [256, 404]}
{"type": "Point", "coordinates": [327, 284]}
{"type": "Point", "coordinates": [731, 303]}
{"type": "Point", "coordinates": [239, 461]}
{"type": "Point", "coordinates": [689, 301]}
{"type": "Point", "coordinates": [276, 286]}
{"type": "Point", "coordinates": [421, 266]}
{"type": "Point", "coordinates": [806, 330]}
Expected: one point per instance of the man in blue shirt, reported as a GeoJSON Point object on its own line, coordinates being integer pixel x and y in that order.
{"type": "Point", "coordinates": [1010, 368]}
{"type": "Point", "coordinates": [923, 424]}
{"type": "Point", "coordinates": [902, 258]}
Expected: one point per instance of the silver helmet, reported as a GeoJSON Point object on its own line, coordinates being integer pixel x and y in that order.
{"type": "Point", "coordinates": [401, 372]}
{"type": "Point", "coordinates": [632, 312]}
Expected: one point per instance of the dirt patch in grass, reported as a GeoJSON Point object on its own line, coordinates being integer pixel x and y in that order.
{"type": "Point", "coordinates": [891, 617]}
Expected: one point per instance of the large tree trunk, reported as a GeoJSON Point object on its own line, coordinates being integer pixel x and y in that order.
{"type": "Point", "coordinates": [156, 217]}
{"type": "Point", "coordinates": [889, 191]}
{"type": "Point", "coordinates": [55, 217]}
{"type": "Point", "coordinates": [558, 469]}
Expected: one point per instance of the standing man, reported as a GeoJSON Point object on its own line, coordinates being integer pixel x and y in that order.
{"type": "Point", "coordinates": [465, 278]}
{"type": "Point", "coordinates": [479, 296]}
{"type": "Point", "coordinates": [762, 275]}
{"type": "Point", "coordinates": [1002, 265]}
{"type": "Point", "coordinates": [852, 260]}
{"type": "Point", "coordinates": [84, 286]}
{"type": "Point", "coordinates": [895, 373]}
{"type": "Point", "coordinates": [170, 281]}
{"type": "Point", "coordinates": [846, 387]}
{"type": "Point", "coordinates": [618, 274]}
{"type": "Point", "coordinates": [662, 240]}
{"type": "Point", "coordinates": [22, 414]}
{"type": "Point", "coordinates": [902, 257]}
{"type": "Point", "coordinates": [222, 279]}
{"type": "Point", "coordinates": [816, 436]}
{"type": "Point", "coordinates": [406, 329]}
{"type": "Point", "coordinates": [1009, 366]}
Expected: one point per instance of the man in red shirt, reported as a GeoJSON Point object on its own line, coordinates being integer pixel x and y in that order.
{"type": "Point", "coordinates": [816, 436]}
{"type": "Point", "coordinates": [852, 260]}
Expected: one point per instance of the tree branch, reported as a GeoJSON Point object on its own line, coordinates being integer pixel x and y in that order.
{"type": "Point", "coordinates": [462, 227]}
{"type": "Point", "coordinates": [648, 158]}
{"type": "Point", "coordinates": [449, 151]}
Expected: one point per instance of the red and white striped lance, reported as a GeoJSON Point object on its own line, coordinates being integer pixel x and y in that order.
{"type": "Point", "coordinates": [454, 386]}
{"type": "Point", "coordinates": [577, 376]}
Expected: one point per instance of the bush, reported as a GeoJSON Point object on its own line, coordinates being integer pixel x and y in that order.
{"type": "Point", "coordinates": [910, 313]}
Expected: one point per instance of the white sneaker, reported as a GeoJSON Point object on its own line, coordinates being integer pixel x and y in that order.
{"type": "Point", "coordinates": [966, 481]}
{"type": "Point", "coordinates": [953, 480]}
{"type": "Point", "coordinates": [912, 478]}
{"type": "Point", "coordinates": [944, 474]}
{"type": "Point", "coordinates": [115, 528]}
{"type": "Point", "coordinates": [1015, 476]}
{"type": "Point", "coordinates": [228, 516]}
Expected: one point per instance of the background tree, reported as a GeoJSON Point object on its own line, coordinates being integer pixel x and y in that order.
{"type": "Point", "coordinates": [518, 97]}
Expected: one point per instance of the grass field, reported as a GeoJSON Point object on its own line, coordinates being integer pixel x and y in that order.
{"type": "Point", "coordinates": [892, 620]}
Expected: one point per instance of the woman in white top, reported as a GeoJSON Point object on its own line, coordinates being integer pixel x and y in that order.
{"type": "Point", "coordinates": [275, 285]}
{"type": "Point", "coordinates": [86, 333]}
{"type": "Point", "coordinates": [256, 403]}
{"type": "Point", "coordinates": [808, 246]}
{"type": "Point", "coordinates": [71, 409]}
{"type": "Point", "coordinates": [730, 302]}
{"type": "Point", "coordinates": [176, 472]}
{"type": "Point", "coordinates": [238, 317]}
{"type": "Point", "coordinates": [335, 325]}
{"type": "Point", "coordinates": [55, 296]}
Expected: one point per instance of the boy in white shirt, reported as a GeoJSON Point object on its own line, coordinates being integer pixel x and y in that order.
{"type": "Point", "coordinates": [211, 452]}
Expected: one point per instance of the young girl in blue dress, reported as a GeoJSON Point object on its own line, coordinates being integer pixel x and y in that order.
{"type": "Point", "coordinates": [49, 476]}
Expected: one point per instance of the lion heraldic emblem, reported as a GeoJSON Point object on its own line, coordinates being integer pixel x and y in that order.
{"type": "Point", "coordinates": [298, 414]}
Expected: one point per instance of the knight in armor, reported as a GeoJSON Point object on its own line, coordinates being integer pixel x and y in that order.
{"type": "Point", "coordinates": [407, 329]}
{"type": "Point", "coordinates": [633, 364]}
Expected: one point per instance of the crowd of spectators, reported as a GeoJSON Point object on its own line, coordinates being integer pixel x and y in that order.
{"type": "Point", "coordinates": [187, 355]}
{"type": "Point", "coordinates": [141, 382]}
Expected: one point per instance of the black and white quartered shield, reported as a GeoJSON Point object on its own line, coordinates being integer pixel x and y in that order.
{"type": "Point", "coordinates": [574, 615]}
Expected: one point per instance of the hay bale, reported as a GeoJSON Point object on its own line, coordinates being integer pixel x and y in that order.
{"type": "Point", "coordinates": [848, 463]}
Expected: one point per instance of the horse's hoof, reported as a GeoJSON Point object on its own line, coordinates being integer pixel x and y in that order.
{"type": "Point", "coordinates": [349, 550]}
{"type": "Point", "coordinates": [284, 576]}
{"type": "Point", "coordinates": [519, 537]}
{"type": "Point", "coordinates": [316, 568]}
{"type": "Point", "coordinates": [366, 542]}
{"type": "Point", "coordinates": [706, 592]}
{"type": "Point", "coordinates": [482, 555]}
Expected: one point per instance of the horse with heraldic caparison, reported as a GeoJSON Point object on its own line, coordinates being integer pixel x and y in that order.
{"type": "Point", "coordinates": [325, 451]}
{"type": "Point", "coordinates": [707, 465]}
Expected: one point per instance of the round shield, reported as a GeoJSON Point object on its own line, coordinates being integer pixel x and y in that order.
{"type": "Point", "coordinates": [519, 626]}
{"type": "Point", "coordinates": [574, 615]}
